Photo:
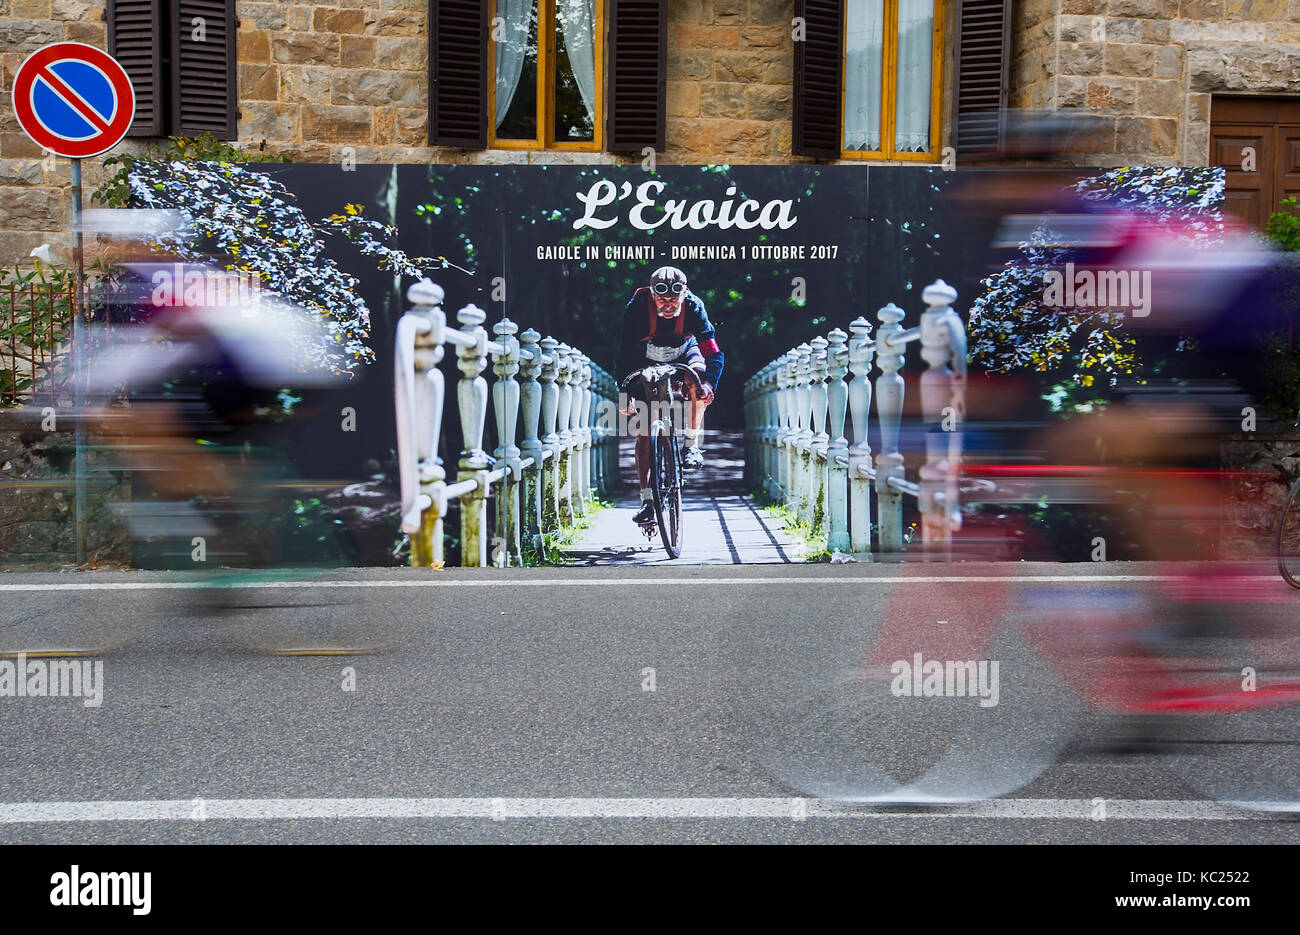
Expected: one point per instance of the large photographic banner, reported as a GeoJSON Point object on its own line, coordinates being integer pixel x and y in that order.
{"type": "Point", "coordinates": [765, 258]}
{"type": "Point", "coordinates": [1038, 284]}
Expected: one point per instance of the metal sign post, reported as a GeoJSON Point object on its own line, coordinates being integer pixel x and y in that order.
{"type": "Point", "coordinates": [79, 364]}
{"type": "Point", "coordinates": [75, 100]}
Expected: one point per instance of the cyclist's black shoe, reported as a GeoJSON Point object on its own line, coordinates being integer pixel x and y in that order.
{"type": "Point", "coordinates": [694, 457]}
{"type": "Point", "coordinates": [645, 515]}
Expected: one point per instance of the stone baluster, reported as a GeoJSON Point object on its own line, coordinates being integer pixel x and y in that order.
{"type": "Point", "coordinates": [531, 447]}
{"type": "Point", "coordinates": [596, 480]}
{"type": "Point", "coordinates": [564, 480]}
{"type": "Point", "coordinates": [601, 416]}
{"type": "Point", "coordinates": [785, 433]}
{"type": "Point", "coordinates": [820, 439]}
{"type": "Point", "coordinates": [774, 429]}
{"type": "Point", "coordinates": [419, 400]}
{"type": "Point", "coordinates": [861, 349]}
{"type": "Point", "coordinates": [943, 347]}
{"type": "Point", "coordinates": [550, 410]}
{"type": "Point", "coordinates": [803, 444]}
{"type": "Point", "coordinates": [582, 431]}
{"type": "Point", "coordinates": [889, 405]}
{"type": "Point", "coordinates": [837, 451]}
{"type": "Point", "coordinates": [505, 403]}
{"type": "Point", "coordinates": [471, 395]}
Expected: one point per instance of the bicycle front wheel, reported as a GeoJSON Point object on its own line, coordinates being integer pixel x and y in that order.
{"type": "Point", "coordinates": [1288, 538]}
{"type": "Point", "coordinates": [667, 485]}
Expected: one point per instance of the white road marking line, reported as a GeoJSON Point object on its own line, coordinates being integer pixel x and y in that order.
{"type": "Point", "coordinates": [189, 810]}
{"type": "Point", "coordinates": [593, 582]}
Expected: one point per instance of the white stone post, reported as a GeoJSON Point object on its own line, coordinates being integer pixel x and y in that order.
{"type": "Point", "coordinates": [861, 350]}
{"type": "Point", "coordinates": [820, 438]}
{"type": "Point", "coordinates": [419, 399]}
{"type": "Point", "coordinates": [471, 395]}
{"type": "Point", "coordinates": [578, 429]}
{"type": "Point", "coordinates": [803, 444]}
{"type": "Point", "coordinates": [837, 451]}
{"type": "Point", "coordinates": [785, 411]}
{"type": "Point", "coordinates": [550, 410]}
{"type": "Point", "coordinates": [505, 403]}
{"type": "Point", "coordinates": [761, 473]}
{"type": "Point", "coordinates": [564, 487]}
{"type": "Point", "coordinates": [943, 347]}
{"type": "Point", "coordinates": [531, 447]}
{"type": "Point", "coordinates": [889, 404]}
{"type": "Point", "coordinates": [772, 435]}
{"type": "Point", "coordinates": [589, 438]}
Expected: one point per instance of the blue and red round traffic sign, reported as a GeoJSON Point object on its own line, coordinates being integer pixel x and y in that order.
{"type": "Point", "coordinates": [73, 99]}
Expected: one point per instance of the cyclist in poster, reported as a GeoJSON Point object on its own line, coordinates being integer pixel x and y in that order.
{"type": "Point", "coordinates": [665, 322]}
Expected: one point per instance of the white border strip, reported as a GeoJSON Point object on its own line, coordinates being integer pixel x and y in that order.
{"type": "Point", "coordinates": [499, 809]}
{"type": "Point", "coordinates": [593, 582]}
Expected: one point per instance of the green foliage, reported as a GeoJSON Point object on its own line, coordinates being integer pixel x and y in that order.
{"type": "Point", "coordinates": [810, 547]}
{"type": "Point", "coordinates": [1279, 362]}
{"type": "Point", "coordinates": [554, 542]}
{"type": "Point", "coordinates": [1283, 227]}
{"type": "Point", "coordinates": [1011, 327]}
{"type": "Point", "coordinates": [35, 314]}
{"type": "Point", "coordinates": [116, 190]}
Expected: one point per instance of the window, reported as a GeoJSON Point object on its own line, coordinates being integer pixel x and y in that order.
{"type": "Point", "coordinates": [868, 76]}
{"type": "Point", "coordinates": [180, 56]}
{"type": "Point", "coordinates": [545, 86]}
{"type": "Point", "coordinates": [555, 74]}
{"type": "Point", "coordinates": [892, 67]}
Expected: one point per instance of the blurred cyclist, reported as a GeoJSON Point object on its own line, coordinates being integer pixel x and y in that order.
{"type": "Point", "coordinates": [205, 363]}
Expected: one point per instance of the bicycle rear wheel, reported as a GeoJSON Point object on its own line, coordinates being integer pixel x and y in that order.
{"type": "Point", "coordinates": [667, 491]}
{"type": "Point", "coordinates": [1288, 538]}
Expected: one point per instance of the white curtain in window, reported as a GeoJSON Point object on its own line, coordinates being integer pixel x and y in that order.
{"type": "Point", "coordinates": [863, 69]}
{"type": "Point", "coordinates": [915, 46]}
{"type": "Point", "coordinates": [511, 50]}
{"type": "Point", "coordinates": [578, 25]}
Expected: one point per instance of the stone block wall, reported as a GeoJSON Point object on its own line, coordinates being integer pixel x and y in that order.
{"type": "Point", "coordinates": [1141, 72]}
{"type": "Point", "coordinates": [730, 81]}
{"type": "Point", "coordinates": [38, 527]}
{"type": "Point", "coordinates": [35, 200]}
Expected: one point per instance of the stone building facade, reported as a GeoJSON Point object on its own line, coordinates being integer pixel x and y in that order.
{"type": "Point", "coordinates": [349, 78]}
{"type": "Point", "coordinates": [1143, 72]}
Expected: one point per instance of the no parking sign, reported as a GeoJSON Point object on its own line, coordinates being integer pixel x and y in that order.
{"type": "Point", "coordinates": [73, 99]}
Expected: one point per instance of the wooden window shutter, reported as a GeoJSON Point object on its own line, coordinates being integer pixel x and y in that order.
{"type": "Point", "coordinates": [135, 38]}
{"type": "Point", "coordinates": [203, 72]}
{"type": "Point", "coordinates": [458, 68]}
{"type": "Point", "coordinates": [638, 75]}
{"type": "Point", "coordinates": [982, 72]}
{"type": "Point", "coordinates": [818, 83]}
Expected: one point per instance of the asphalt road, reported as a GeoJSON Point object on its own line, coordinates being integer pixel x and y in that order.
{"type": "Point", "coordinates": [720, 703]}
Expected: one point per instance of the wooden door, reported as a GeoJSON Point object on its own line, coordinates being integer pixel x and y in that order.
{"type": "Point", "coordinates": [1257, 140]}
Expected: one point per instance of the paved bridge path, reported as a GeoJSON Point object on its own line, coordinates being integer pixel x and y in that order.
{"type": "Point", "coordinates": [722, 523]}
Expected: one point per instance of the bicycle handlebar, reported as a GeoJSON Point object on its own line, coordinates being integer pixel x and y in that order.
{"type": "Point", "coordinates": [657, 372]}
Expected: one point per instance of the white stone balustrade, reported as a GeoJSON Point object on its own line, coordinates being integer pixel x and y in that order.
{"type": "Point", "coordinates": [807, 429]}
{"type": "Point", "coordinates": [538, 483]}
